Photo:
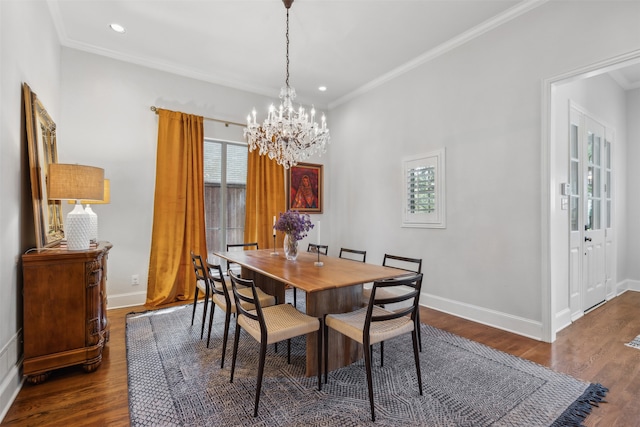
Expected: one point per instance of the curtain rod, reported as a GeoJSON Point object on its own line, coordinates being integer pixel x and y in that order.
{"type": "Point", "coordinates": [226, 122]}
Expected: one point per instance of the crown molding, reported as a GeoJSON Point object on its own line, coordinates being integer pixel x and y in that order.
{"type": "Point", "coordinates": [477, 31]}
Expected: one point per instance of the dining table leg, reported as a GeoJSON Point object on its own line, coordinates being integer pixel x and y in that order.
{"type": "Point", "coordinates": [342, 350]}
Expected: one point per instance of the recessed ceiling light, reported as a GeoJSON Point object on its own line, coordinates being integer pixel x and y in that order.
{"type": "Point", "coordinates": [322, 88]}
{"type": "Point", "coordinates": [117, 28]}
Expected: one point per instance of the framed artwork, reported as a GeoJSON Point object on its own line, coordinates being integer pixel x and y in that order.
{"type": "Point", "coordinates": [41, 140]}
{"type": "Point", "coordinates": [304, 188]}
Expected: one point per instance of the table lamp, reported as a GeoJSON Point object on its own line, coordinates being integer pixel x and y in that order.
{"type": "Point", "coordinates": [76, 182]}
{"type": "Point", "coordinates": [106, 199]}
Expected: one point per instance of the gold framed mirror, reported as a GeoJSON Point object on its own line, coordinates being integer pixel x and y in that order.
{"type": "Point", "coordinates": [41, 141]}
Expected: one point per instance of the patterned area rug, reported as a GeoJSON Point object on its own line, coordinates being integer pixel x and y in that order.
{"type": "Point", "coordinates": [635, 343]}
{"type": "Point", "coordinates": [174, 380]}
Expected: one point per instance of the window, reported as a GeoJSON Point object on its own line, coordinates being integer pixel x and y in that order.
{"type": "Point", "coordinates": [225, 186]}
{"type": "Point", "coordinates": [423, 191]}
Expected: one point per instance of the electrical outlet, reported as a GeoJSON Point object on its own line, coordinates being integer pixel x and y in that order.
{"type": "Point", "coordinates": [135, 279]}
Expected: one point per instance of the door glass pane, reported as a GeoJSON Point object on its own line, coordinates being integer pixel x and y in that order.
{"type": "Point", "coordinates": [212, 194]}
{"type": "Point", "coordinates": [225, 189]}
{"type": "Point", "coordinates": [596, 181]}
{"type": "Point", "coordinates": [608, 213]}
{"type": "Point", "coordinates": [574, 179]}
{"type": "Point", "coordinates": [596, 215]}
{"type": "Point", "coordinates": [236, 192]}
{"type": "Point", "coordinates": [590, 147]}
{"type": "Point", "coordinates": [590, 181]}
{"type": "Point", "coordinates": [589, 218]}
{"type": "Point", "coordinates": [573, 212]}
{"type": "Point", "coordinates": [607, 149]}
{"type": "Point", "coordinates": [596, 151]}
{"type": "Point", "coordinates": [573, 141]}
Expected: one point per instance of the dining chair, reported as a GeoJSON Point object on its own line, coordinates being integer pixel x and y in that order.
{"type": "Point", "coordinates": [269, 325]}
{"type": "Point", "coordinates": [353, 254]}
{"type": "Point", "coordinates": [223, 297]}
{"type": "Point", "coordinates": [373, 323]}
{"type": "Point", "coordinates": [315, 248]}
{"type": "Point", "coordinates": [202, 284]}
{"type": "Point", "coordinates": [413, 265]}
{"type": "Point", "coordinates": [243, 246]}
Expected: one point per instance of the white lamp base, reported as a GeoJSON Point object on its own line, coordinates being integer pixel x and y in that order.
{"type": "Point", "coordinates": [93, 222]}
{"type": "Point", "coordinates": [78, 229]}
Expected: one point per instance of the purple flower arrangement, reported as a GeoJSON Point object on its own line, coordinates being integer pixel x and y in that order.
{"type": "Point", "coordinates": [294, 223]}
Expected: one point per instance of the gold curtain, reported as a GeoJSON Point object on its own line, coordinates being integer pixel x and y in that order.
{"type": "Point", "coordinates": [265, 199]}
{"type": "Point", "coordinates": [178, 212]}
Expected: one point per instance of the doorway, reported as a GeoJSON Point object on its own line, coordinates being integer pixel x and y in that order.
{"type": "Point", "coordinates": [560, 306]}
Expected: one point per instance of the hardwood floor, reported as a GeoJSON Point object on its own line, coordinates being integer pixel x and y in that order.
{"type": "Point", "coordinates": [591, 349]}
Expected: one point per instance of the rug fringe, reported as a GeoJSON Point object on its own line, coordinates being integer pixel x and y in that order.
{"type": "Point", "coordinates": [575, 414]}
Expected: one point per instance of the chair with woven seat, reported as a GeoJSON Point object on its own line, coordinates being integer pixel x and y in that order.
{"type": "Point", "coordinates": [373, 323]}
{"type": "Point", "coordinates": [222, 296]}
{"type": "Point", "coordinates": [240, 246]}
{"type": "Point", "coordinates": [413, 265]}
{"type": "Point", "coordinates": [269, 325]}
{"type": "Point", "coordinates": [315, 248]}
{"type": "Point", "coordinates": [202, 284]}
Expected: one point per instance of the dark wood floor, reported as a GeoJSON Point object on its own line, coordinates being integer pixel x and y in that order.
{"type": "Point", "coordinates": [591, 349]}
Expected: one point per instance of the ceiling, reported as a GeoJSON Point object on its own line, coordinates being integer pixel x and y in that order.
{"type": "Point", "coordinates": [345, 45]}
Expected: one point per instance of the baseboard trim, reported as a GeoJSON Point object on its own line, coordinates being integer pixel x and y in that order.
{"type": "Point", "coordinates": [126, 300]}
{"type": "Point", "coordinates": [628, 285]}
{"type": "Point", "coordinates": [10, 373]}
{"type": "Point", "coordinates": [493, 318]}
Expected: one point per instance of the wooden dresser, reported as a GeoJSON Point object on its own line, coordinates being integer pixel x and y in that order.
{"type": "Point", "coordinates": [64, 309]}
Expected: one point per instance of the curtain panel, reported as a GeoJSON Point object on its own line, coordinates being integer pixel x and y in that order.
{"type": "Point", "coordinates": [265, 199]}
{"type": "Point", "coordinates": [178, 213]}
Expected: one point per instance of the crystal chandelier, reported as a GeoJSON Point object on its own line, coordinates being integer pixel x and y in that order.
{"type": "Point", "coordinates": [287, 135]}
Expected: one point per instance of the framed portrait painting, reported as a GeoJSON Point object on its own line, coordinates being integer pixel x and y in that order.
{"type": "Point", "coordinates": [304, 188]}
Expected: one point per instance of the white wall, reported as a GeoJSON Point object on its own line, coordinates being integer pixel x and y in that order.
{"type": "Point", "coordinates": [105, 121]}
{"type": "Point", "coordinates": [482, 102]}
{"type": "Point", "coordinates": [632, 249]}
{"type": "Point", "coordinates": [29, 52]}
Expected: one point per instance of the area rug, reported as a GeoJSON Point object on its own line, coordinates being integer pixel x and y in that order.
{"type": "Point", "coordinates": [174, 380]}
{"type": "Point", "coordinates": [635, 343]}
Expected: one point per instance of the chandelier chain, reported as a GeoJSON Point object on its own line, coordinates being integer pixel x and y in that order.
{"type": "Point", "coordinates": [287, 34]}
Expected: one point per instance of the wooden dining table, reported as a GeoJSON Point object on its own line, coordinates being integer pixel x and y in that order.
{"type": "Point", "coordinates": [334, 287]}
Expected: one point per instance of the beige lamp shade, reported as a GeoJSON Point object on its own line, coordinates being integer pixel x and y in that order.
{"type": "Point", "coordinates": [106, 198]}
{"type": "Point", "coordinates": [67, 181]}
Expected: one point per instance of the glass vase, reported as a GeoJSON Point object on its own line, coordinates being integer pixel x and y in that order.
{"type": "Point", "coordinates": [290, 247]}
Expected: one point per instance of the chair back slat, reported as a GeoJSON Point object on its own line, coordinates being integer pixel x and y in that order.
{"type": "Point", "coordinates": [218, 285]}
{"type": "Point", "coordinates": [408, 288]}
{"type": "Point", "coordinates": [353, 254]}
{"type": "Point", "coordinates": [198, 267]}
{"type": "Point", "coordinates": [251, 299]}
{"type": "Point", "coordinates": [315, 248]}
{"type": "Point", "coordinates": [403, 263]}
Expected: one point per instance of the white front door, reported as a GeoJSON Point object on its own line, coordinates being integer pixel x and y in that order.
{"type": "Point", "coordinates": [593, 279]}
{"type": "Point", "coordinates": [590, 212]}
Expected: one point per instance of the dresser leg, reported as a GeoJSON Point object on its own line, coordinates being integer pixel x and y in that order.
{"type": "Point", "coordinates": [38, 378]}
{"type": "Point", "coordinates": [92, 366]}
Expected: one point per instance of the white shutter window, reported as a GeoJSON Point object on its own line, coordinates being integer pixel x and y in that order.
{"type": "Point", "coordinates": [423, 201]}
